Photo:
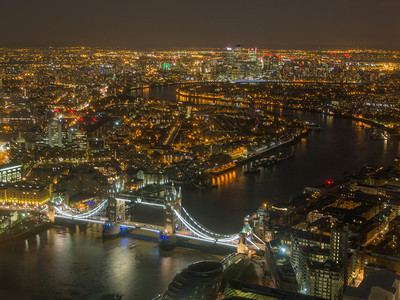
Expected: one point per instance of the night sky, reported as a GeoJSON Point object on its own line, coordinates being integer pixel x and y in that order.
{"type": "Point", "coordinates": [169, 24]}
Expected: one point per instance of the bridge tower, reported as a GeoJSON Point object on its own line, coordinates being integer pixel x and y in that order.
{"type": "Point", "coordinates": [51, 212]}
{"type": "Point", "coordinates": [112, 228]}
{"type": "Point", "coordinates": [172, 204]}
{"type": "Point", "coordinates": [242, 247]}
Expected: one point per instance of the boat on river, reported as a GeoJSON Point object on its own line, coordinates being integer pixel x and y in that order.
{"type": "Point", "coordinates": [253, 171]}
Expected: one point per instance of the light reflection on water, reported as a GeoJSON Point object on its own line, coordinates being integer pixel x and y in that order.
{"type": "Point", "coordinates": [341, 147]}
{"type": "Point", "coordinates": [77, 263]}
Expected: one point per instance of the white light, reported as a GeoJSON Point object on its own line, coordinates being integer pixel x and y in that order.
{"type": "Point", "coordinates": [258, 238]}
{"type": "Point", "coordinates": [82, 220]}
{"type": "Point", "coordinates": [253, 244]}
{"type": "Point", "coordinates": [199, 239]}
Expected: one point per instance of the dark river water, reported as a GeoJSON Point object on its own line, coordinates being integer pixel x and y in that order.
{"type": "Point", "coordinates": [76, 263]}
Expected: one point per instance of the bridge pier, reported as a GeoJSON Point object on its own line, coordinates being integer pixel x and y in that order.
{"type": "Point", "coordinates": [167, 241]}
{"type": "Point", "coordinates": [111, 229]}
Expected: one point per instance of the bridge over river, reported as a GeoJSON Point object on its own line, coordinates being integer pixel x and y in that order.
{"type": "Point", "coordinates": [177, 220]}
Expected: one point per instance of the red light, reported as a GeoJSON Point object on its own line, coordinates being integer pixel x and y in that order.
{"type": "Point", "coordinates": [94, 119]}
{"type": "Point", "coordinates": [347, 54]}
{"type": "Point", "coordinates": [71, 111]}
{"type": "Point", "coordinates": [329, 182]}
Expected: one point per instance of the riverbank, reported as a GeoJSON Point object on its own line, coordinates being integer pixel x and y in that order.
{"type": "Point", "coordinates": [229, 102]}
{"type": "Point", "coordinates": [338, 115]}
{"type": "Point", "coordinates": [26, 233]}
{"type": "Point", "coordinates": [262, 151]}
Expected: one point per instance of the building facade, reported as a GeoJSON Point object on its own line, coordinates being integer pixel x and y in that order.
{"type": "Point", "coordinates": [11, 172]}
{"type": "Point", "coordinates": [24, 193]}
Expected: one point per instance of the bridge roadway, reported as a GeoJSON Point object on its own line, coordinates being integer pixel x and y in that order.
{"type": "Point", "coordinates": [150, 227]}
{"type": "Point", "coordinates": [191, 229]}
{"type": "Point", "coordinates": [253, 245]}
{"type": "Point", "coordinates": [103, 220]}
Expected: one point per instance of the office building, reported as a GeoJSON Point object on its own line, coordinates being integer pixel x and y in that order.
{"type": "Point", "coordinates": [54, 134]}
{"type": "Point", "coordinates": [27, 193]}
{"type": "Point", "coordinates": [324, 265]}
{"type": "Point", "coordinates": [11, 172]}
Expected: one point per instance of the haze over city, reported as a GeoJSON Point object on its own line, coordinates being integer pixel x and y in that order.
{"type": "Point", "coordinates": [290, 24]}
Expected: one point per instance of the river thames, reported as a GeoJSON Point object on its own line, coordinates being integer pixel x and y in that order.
{"type": "Point", "coordinates": [76, 263]}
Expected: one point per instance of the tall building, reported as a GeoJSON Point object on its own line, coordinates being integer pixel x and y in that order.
{"type": "Point", "coordinates": [54, 134]}
{"type": "Point", "coordinates": [237, 55]}
{"type": "Point", "coordinates": [229, 56]}
{"type": "Point", "coordinates": [339, 243]}
{"type": "Point", "coordinates": [324, 269]}
{"type": "Point", "coordinates": [78, 138]}
{"type": "Point", "coordinates": [253, 65]}
{"type": "Point", "coordinates": [252, 56]}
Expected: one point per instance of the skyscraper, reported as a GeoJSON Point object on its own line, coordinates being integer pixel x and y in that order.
{"type": "Point", "coordinates": [324, 266]}
{"type": "Point", "coordinates": [252, 57]}
{"type": "Point", "coordinates": [54, 134]}
{"type": "Point", "coordinates": [229, 56]}
{"type": "Point", "coordinates": [237, 55]}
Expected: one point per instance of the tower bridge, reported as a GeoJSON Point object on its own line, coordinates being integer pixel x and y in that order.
{"type": "Point", "coordinates": [177, 221]}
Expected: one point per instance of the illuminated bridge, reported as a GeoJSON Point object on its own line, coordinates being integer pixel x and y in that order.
{"type": "Point", "coordinates": [177, 221]}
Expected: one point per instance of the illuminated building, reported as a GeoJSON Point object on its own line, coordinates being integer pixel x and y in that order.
{"type": "Point", "coordinates": [54, 134]}
{"type": "Point", "coordinates": [279, 266]}
{"type": "Point", "coordinates": [252, 57]}
{"type": "Point", "coordinates": [78, 138]}
{"type": "Point", "coordinates": [10, 172]}
{"type": "Point", "coordinates": [237, 55]}
{"type": "Point", "coordinates": [24, 193]}
{"type": "Point", "coordinates": [339, 243]}
{"type": "Point", "coordinates": [324, 269]}
{"type": "Point", "coordinates": [229, 56]}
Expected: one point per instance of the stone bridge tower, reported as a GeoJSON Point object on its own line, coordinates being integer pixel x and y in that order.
{"type": "Point", "coordinates": [172, 204]}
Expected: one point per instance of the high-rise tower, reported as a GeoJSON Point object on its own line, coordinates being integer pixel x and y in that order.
{"type": "Point", "coordinates": [55, 134]}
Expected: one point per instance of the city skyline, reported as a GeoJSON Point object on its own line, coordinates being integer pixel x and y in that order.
{"type": "Point", "coordinates": [220, 169]}
{"type": "Point", "coordinates": [140, 25]}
